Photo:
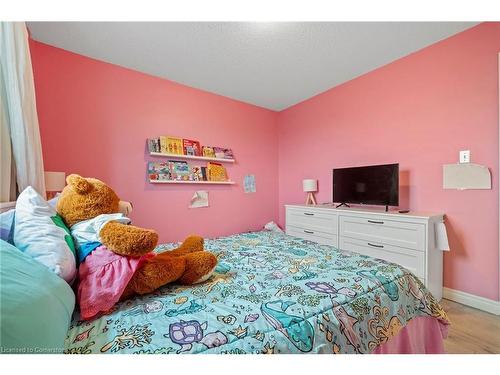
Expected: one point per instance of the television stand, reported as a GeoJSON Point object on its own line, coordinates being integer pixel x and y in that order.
{"type": "Point", "coordinates": [342, 204]}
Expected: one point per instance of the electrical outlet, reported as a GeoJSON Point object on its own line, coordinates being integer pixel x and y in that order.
{"type": "Point", "coordinates": [464, 156]}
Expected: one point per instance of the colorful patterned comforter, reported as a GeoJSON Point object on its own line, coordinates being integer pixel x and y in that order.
{"type": "Point", "coordinates": [271, 293]}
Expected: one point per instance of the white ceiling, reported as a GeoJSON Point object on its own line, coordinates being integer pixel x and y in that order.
{"type": "Point", "coordinates": [272, 65]}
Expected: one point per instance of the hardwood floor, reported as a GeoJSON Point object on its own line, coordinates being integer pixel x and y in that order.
{"type": "Point", "coordinates": [471, 330]}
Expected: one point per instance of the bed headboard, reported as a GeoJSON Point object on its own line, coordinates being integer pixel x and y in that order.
{"type": "Point", "coordinates": [5, 206]}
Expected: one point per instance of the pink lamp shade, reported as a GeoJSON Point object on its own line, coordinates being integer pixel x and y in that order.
{"type": "Point", "coordinates": [55, 181]}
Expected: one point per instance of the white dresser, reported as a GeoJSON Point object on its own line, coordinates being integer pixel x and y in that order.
{"type": "Point", "coordinates": [406, 239]}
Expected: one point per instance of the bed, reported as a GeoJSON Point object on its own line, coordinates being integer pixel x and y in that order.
{"type": "Point", "coordinates": [273, 293]}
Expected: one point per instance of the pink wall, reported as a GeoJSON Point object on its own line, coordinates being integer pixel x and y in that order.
{"type": "Point", "coordinates": [418, 111]}
{"type": "Point", "coordinates": [95, 118]}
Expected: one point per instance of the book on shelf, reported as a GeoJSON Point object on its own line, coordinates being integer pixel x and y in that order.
{"type": "Point", "coordinates": [197, 173]}
{"type": "Point", "coordinates": [208, 152]}
{"type": "Point", "coordinates": [223, 153]}
{"type": "Point", "coordinates": [171, 145]}
{"type": "Point", "coordinates": [216, 172]}
{"type": "Point", "coordinates": [191, 147]}
{"type": "Point", "coordinates": [163, 144]}
{"type": "Point", "coordinates": [204, 173]}
{"type": "Point", "coordinates": [159, 171]}
{"type": "Point", "coordinates": [180, 170]}
{"type": "Point", "coordinates": [153, 144]}
{"type": "Point", "coordinates": [174, 146]}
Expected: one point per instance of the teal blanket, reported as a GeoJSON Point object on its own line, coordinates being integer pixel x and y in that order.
{"type": "Point", "coordinates": [271, 293]}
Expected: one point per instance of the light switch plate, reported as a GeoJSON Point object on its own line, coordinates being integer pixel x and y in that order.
{"type": "Point", "coordinates": [464, 156]}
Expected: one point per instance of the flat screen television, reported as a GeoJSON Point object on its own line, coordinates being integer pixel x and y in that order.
{"type": "Point", "coordinates": [373, 185]}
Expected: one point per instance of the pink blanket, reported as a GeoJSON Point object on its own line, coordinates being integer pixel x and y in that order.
{"type": "Point", "coordinates": [422, 335]}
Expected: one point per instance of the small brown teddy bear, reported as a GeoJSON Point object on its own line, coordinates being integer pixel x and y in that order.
{"type": "Point", "coordinates": [116, 259]}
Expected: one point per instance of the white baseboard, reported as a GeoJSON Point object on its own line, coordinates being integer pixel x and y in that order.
{"type": "Point", "coordinates": [472, 300]}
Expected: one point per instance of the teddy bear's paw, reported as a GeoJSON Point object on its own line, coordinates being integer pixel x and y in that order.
{"type": "Point", "coordinates": [128, 240]}
{"type": "Point", "coordinates": [199, 267]}
{"type": "Point", "coordinates": [192, 244]}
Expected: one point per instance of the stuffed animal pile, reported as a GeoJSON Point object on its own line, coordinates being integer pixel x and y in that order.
{"type": "Point", "coordinates": [116, 259]}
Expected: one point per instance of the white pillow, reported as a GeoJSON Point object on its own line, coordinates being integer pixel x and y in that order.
{"type": "Point", "coordinates": [40, 233]}
{"type": "Point", "coordinates": [53, 201]}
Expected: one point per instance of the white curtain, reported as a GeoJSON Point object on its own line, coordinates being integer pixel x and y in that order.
{"type": "Point", "coordinates": [18, 116]}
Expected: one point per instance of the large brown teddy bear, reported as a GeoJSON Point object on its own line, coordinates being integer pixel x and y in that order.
{"type": "Point", "coordinates": [116, 259]}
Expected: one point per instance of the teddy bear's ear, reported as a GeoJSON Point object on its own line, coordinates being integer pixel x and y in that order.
{"type": "Point", "coordinates": [79, 184]}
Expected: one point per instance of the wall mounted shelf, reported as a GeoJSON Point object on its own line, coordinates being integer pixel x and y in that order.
{"type": "Point", "coordinates": [190, 157]}
{"type": "Point", "coordinates": [192, 182]}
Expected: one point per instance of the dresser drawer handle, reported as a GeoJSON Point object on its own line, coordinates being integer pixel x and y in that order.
{"type": "Point", "coordinates": [373, 245]}
{"type": "Point", "coordinates": [308, 214]}
{"type": "Point", "coordinates": [308, 231]}
{"type": "Point", "coordinates": [375, 222]}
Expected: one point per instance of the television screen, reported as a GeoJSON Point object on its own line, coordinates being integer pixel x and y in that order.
{"type": "Point", "coordinates": [376, 185]}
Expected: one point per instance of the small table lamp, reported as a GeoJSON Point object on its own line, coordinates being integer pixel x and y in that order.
{"type": "Point", "coordinates": [54, 182]}
{"type": "Point", "coordinates": [310, 186]}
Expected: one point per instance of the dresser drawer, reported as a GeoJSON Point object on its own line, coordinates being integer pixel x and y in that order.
{"type": "Point", "coordinates": [381, 230]}
{"type": "Point", "coordinates": [412, 260]}
{"type": "Point", "coordinates": [311, 235]}
{"type": "Point", "coordinates": [314, 220]}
